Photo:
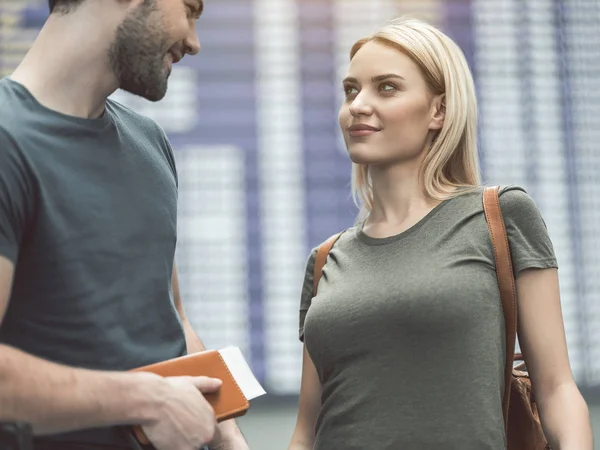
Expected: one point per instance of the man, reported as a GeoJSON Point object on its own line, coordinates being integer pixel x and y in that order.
{"type": "Point", "coordinates": [88, 193]}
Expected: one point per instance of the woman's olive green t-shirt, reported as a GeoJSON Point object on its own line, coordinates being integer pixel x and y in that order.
{"type": "Point", "coordinates": [407, 332]}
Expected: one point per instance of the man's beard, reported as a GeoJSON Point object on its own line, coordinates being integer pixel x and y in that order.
{"type": "Point", "coordinates": [137, 54]}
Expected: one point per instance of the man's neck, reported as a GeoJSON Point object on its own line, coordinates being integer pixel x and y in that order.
{"type": "Point", "coordinates": [67, 68]}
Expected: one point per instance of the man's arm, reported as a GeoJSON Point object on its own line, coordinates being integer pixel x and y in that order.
{"type": "Point", "coordinates": [55, 398]}
{"type": "Point", "coordinates": [229, 436]}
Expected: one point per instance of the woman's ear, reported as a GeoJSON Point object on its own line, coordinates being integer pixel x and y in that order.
{"type": "Point", "coordinates": [438, 112]}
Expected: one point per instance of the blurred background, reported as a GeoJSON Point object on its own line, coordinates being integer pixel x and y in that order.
{"type": "Point", "coordinates": [264, 175]}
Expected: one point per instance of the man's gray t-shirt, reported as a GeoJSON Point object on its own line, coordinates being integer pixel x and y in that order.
{"type": "Point", "coordinates": [88, 215]}
{"type": "Point", "coordinates": [407, 332]}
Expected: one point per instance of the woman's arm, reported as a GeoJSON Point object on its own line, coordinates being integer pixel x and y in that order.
{"type": "Point", "coordinates": [308, 407]}
{"type": "Point", "coordinates": [563, 411]}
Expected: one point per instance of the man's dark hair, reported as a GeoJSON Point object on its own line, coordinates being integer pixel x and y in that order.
{"type": "Point", "coordinates": [63, 6]}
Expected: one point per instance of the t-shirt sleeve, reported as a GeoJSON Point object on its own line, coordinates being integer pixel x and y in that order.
{"type": "Point", "coordinates": [15, 197]}
{"type": "Point", "coordinates": [528, 237]}
{"type": "Point", "coordinates": [307, 290]}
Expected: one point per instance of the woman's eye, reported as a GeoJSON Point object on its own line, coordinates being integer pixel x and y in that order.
{"type": "Point", "coordinates": [350, 90]}
{"type": "Point", "coordinates": [386, 87]}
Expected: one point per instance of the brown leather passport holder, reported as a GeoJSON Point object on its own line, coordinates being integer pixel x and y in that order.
{"type": "Point", "coordinates": [228, 402]}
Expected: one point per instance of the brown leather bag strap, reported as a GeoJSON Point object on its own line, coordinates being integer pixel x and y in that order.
{"type": "Point", "coordinates": [321, 258]}
{"type": "Point", "coordinates": [506, 282]}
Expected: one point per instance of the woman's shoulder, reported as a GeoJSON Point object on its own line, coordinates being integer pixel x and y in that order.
{"type": "Point", "coordinates": [512, 197]}
{"type": "Point", "coordinates": [340, 239]}
{"type": "Point", "coordinates": [516, 201]}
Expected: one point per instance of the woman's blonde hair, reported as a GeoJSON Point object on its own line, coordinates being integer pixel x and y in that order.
{"type": "Point", "coordinates": [451, 165]}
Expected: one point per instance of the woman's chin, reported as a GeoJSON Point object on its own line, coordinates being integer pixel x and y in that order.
{"type": "Point", "coordinates": [362, 157]}
{"type": "Point", "coordinates": [366, 156]}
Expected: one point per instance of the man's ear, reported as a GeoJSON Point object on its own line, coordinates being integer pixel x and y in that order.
{"type": "Point", "coordinates": [438, 112]}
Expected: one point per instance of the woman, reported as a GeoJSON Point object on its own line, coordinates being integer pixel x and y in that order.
{"type": "Point", "coordinates": [404, 342]}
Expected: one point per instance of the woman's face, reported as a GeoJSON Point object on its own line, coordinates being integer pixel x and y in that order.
{"type": "Point", "coordinates": [388, 114]}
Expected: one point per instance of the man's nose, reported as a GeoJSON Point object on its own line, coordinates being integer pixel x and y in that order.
{"type": "Point", "coordinates": [192, 43]}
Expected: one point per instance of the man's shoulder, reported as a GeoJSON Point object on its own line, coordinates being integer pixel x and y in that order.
{"type": "Point", "coordinates": [132, 118]}
{"type": "Point", "coordinates": [7, 87]}
{"type": "Point", "coordinates": [12, 106]}
{"type": "Point", "coordinates": [10, 132]}
{"type": "Point", "coordinates": [143, 129]}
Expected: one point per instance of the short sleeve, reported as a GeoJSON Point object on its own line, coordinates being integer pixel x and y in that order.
{"type": "Point", "coordinates": [307, 290]}
{"type": "Point", "coordinates": [528, 237]}
{"type": "Point", "coordinates": [15, 197]}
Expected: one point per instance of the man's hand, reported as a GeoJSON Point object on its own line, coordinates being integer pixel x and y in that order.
{"type": "Point", "coordinates": [184, 420]}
